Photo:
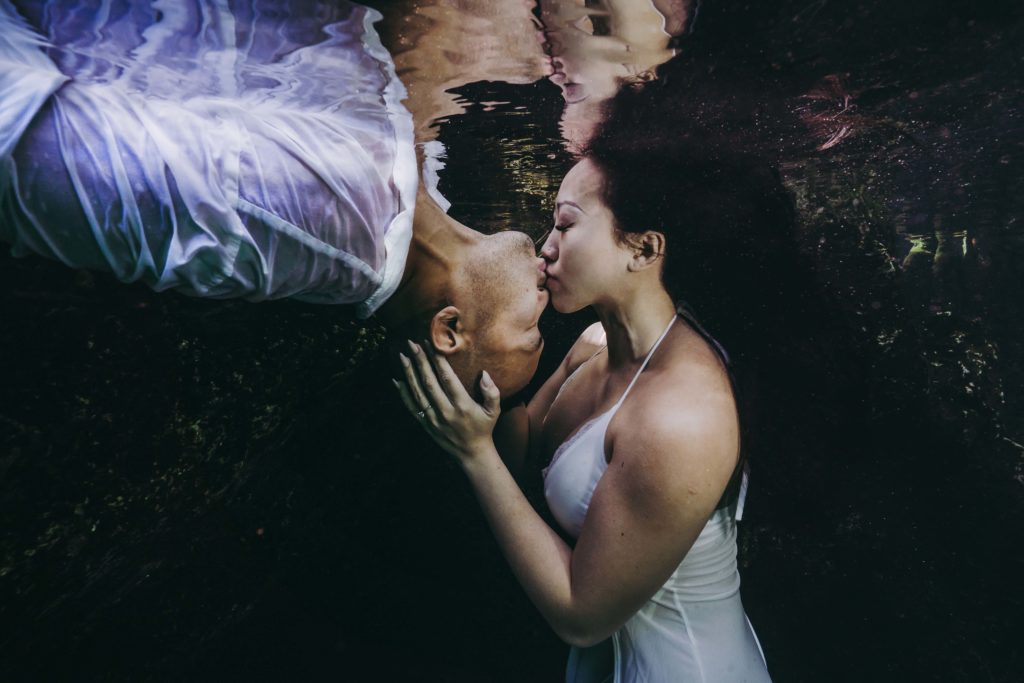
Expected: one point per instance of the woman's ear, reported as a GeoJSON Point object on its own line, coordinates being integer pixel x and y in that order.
{"type": "Point", "coordinates": [447, 333]}
{"type": "Point", "coordinates": [648, 248]}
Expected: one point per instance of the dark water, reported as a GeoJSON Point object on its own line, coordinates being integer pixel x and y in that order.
{"type": "Point", "coordinates": [207, 490]}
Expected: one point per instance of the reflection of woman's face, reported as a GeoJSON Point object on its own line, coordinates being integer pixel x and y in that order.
{"type": "Point", "coordinates": [593, 51]}
{"type": "Point", "coordinates": [439, 45]}
{"type": "Point", "coordinates": [584, 260]}
{"type": "Point", "coordinates": [586, 86]}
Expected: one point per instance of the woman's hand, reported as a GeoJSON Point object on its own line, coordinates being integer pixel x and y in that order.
{"type": "Point", "coordinates": [436, 397]}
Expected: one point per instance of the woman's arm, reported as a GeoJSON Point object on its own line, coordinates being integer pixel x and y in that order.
{"type": "Point", "coordinates": [512, 438]}
{"type": "Point", "coordinates": [667, 473]}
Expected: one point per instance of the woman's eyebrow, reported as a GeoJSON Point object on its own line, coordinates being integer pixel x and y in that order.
{"type": "Point", "coordinates": [569, 203]}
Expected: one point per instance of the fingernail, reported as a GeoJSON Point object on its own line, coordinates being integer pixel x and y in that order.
{"type": "Point", "coordinates": [415, 347]}
{"type": "Point", "coordinates": [487, 378]}
{"type": "Point", "coordinates": [403, 358]}
{"type": "Point", "coordinates": [395, 382]}
{"type": "Point", "coordinates": [428, 347]}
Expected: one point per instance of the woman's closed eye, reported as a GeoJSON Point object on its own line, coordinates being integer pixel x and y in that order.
{"type": "Point", "coordinates": [560, 227]}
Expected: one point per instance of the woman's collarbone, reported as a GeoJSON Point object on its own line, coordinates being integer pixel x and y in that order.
{"type": "Point", "coordinates": [587, 399]}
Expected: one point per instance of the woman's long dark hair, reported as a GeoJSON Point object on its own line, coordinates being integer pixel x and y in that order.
{"type": "Point", "coordinates": [688, 164]}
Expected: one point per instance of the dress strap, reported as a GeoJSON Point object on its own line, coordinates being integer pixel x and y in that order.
{"type": "Point", "coordinates": [644, 364]}
{"type": "Point", "coordinates": [684, 311]}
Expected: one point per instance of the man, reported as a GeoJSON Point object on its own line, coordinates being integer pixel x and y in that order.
{"type": "Point", "coordinates": [259, 152]}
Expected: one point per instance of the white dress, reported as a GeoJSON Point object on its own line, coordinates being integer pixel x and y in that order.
{"type": "Point", "coordinates": [694, 628]}
{"type": "Point", "coordinates": [252, 149]}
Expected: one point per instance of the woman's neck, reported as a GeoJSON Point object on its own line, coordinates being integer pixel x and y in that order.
{"type": "Point", "coordinates": [634, 322]}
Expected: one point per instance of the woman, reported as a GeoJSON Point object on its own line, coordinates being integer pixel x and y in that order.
{"type": "Point", "coordinates": [642, 424]}
{"type": "Point", "coordinates": [642, 418]}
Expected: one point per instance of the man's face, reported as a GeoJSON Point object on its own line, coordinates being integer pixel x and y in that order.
{"type": "Point", "coordinates": [505, 303]}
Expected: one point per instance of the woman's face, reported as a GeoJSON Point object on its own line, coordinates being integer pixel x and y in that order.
{"type": "Point", "coordinates": [584, 262]}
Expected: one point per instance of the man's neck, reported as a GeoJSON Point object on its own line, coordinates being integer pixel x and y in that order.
{"type": "Point", "coordinates": [440, 244]}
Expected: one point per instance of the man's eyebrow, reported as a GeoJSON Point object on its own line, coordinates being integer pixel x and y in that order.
{"type": "Point", "coordinates": [569, 203]}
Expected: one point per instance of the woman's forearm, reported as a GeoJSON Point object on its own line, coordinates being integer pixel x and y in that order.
{"type": "Point", "coordinates": [512, 438]}
{"type": "Point", "coordinates": [540, 559]}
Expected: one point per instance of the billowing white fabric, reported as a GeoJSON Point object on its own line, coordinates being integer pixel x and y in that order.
{"type": "Point", "coordinates": [694, 628]}
{"type": "Point", "coordinates": [249, 148]}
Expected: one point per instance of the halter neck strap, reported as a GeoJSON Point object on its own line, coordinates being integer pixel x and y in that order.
{"type": "Point", "coordinates": [646, 360]}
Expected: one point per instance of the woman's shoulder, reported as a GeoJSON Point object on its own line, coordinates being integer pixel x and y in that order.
{"type": "Point", "coordinates": [684, 396]}
{"type": "Point", "coordinates": [587, 345]}
{"type": "Point", "coordinates": [690, 367]}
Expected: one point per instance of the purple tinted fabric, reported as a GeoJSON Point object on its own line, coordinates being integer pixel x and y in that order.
{"type": "Point", "coordinates": [252, 149]}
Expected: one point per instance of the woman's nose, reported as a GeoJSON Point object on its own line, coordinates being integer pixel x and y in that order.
{"type": "Point", "coordinates": [549, 250]}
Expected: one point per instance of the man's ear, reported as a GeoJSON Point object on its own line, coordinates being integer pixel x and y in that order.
{"type": "Point", "coordinates": [447, 332]}
{"type": "Point", "coordinates": [648, 248]}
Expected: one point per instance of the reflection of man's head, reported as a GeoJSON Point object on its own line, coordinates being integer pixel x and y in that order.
{"type": "Point", "coordinates": [487, 318]}
{"type": "Point", "coordinates": [597, 48]}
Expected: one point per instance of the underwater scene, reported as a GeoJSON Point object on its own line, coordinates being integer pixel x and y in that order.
{"type": "Point", "coordinates": [221, 482]}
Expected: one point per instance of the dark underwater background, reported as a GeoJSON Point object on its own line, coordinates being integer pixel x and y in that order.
{"type": "Point", "coordinates": [219, 490]}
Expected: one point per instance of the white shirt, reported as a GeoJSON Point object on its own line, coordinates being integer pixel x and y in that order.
{"type": "Point", "coordinates": [259, 153]}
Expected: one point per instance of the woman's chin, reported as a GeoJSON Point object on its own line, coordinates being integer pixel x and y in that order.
{"type": "Point", "coordinates": [563, 305]}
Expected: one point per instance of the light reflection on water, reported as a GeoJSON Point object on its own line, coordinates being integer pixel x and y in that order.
{"type": "Point", "coordinates": [440, 46]}
{"type": "Point", "coordinates": [597, 48]}
{"type": "Point", "coordinates": [482, 73]}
